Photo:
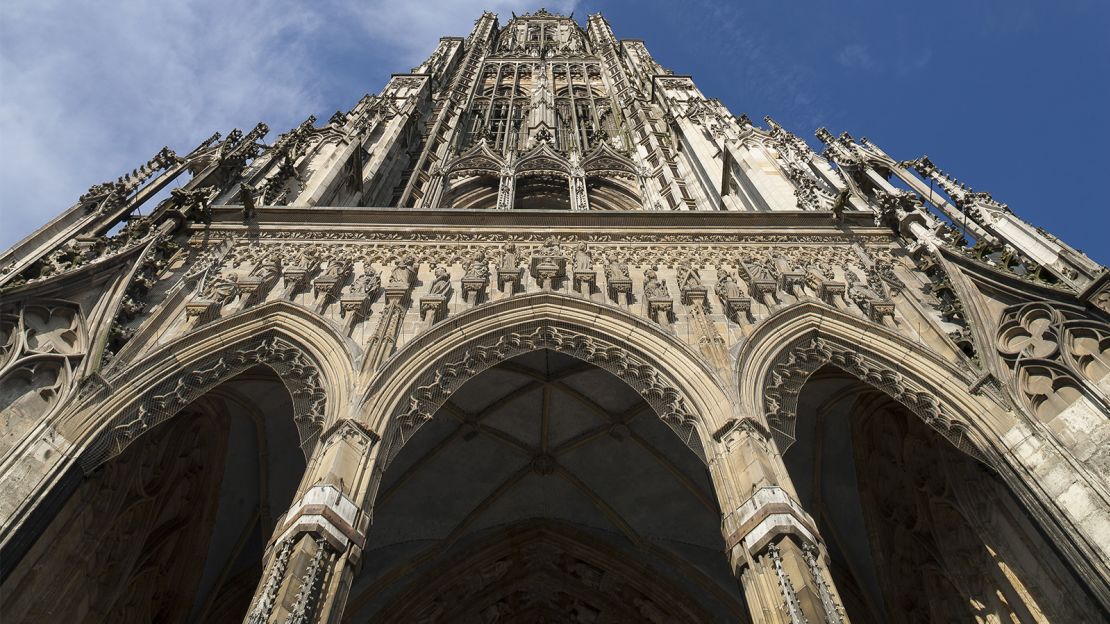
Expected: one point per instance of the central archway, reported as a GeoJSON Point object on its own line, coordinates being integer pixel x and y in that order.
{"type": "Point", "coordinates": [675, 380]}
{"type": "Point", "coordinates": [545, 486]}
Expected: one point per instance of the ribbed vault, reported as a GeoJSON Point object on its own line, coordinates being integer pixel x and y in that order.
{"type": "Point", "coordinates": [577, 474]}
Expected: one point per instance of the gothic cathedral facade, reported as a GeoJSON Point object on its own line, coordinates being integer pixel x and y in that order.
{"type": "Point", "coordinates": [540, 333]}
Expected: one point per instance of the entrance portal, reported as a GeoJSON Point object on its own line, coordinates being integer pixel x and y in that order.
{"type": "Point", "coordinates": [545, 490]}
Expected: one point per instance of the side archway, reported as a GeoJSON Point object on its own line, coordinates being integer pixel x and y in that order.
{"type": "Point", "coordinates": [783, 354]}
{"type": "Point", "coordinates": [791, 345]}
{"type": "Point", "coordinates": [312, 359]}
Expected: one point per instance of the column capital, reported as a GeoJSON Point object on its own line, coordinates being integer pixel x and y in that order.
{"type": "Point", "coordinates": [768, 514]}
{"type": "Point", "coordinates": [327, 512]}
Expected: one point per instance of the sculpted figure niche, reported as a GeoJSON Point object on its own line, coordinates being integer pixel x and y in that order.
{"type": "Point", "coordinates": [367, 283]}
{"type": "Point", "coordinates": [583, 261]}
{"type": "Point", "coordinates": [508, 269]}
{"type": "Point", "coordinates": [655, 288]}
{"type": "Point", "coordinates": [403, 273]}
{"type": "Point", "coordinates": [441, 283]}
{"type": "Point", "coordinates": [220, 289]}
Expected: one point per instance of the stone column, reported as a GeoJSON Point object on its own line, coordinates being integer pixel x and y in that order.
{"type": "Point", "coordinates": [316, 549]}
{"type": "Point", "coordinates": [772, 543]}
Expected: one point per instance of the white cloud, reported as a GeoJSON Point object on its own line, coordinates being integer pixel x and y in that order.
{"type": "Point", "coordinates": [856, 56]}
{"type": "Point", "coordinates": [91, 90]}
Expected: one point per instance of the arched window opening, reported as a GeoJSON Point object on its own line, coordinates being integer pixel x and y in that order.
{"type": "Point", "coordinates": [475, 192]}
{"type": "Point", "coordinates": [612, 194]}
{"type": "Point", "coordinates": [541, 192]}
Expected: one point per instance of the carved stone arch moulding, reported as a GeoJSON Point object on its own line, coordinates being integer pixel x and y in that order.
{"type": "Point", "coordinates": [429, 391]}
{"type": "Point", "coordinates": [801, 358]}
{"type": "Point", "coordinates": [297, 369]}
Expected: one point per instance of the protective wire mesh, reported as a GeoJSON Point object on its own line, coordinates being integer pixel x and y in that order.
{"type": "Point", "coordinates": [436, 385]}
{"type": "Point", "coordinates": [289, 360]}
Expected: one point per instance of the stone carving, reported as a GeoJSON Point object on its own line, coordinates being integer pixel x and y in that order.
{"type": "Point", "coordinates": [367, 283]}
{"type": "Point", "coordinates": [584, 274]}
{"type": "Point", "coordinates": [508, 269]}
{"type": "Point", "coordinates": [655, 288]}
{"type": "Point", "coordinates": [878, 307]}
{"type": "Point", "coordinates": [619, 281]}
{"type": "Point", "coordinates": [434, 304]}
{"type": "Point", "coordinates": [583, 261]}
{"type": "Point", "coordinates": [549, 264]}
{"type": "Point", "coordinates": [737, 305]}
{"type": "Point", "coordinates": [477, 268]}
{"type": "Point", "coordinates": [403, 274]}
{"type": "Point", "coordinates": [475, 278]}
{"type": "Point", "coordinates": [658, 298]}
{"type": "Point", "coordinates": [291, 362]}
{"type": "Point", "coordinates": [435, 386]}
{"type": "Point", "coordinates": [441, 284]}
{"type": "Point", "coordinates": [794, 366]}
{"type": "Point", "coordinates": [1051, 347]}
{"type": "Point", "coordinates": [220, 289]}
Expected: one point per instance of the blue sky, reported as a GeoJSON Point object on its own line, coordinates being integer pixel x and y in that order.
{"type": "Point", "coordinates": [1010, 96]}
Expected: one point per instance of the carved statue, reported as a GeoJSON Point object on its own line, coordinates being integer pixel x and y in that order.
{"type": "Point", "coordinates": [477, 268]}
{"type": "Point", "coordinates": [727, 286]}
{"type": "Point", "coordinates": [441, 283]}
{"type": "Point", "coordinates": [655, 288]}
{"type": "Point", "coordinates": [221, 289]}
{"type": "Point", "coordinates": [782, 264]}
{"type": "Point", "coordinates": [688, 276]}
{"type": "Point", "coordinates": [335, 269]}
{"type": "Point", "coordinates": [616, 270]}
{"type": "Point", "coordinates": [551, 248]}
{"type": "Point", "coordinates": [759, 272]}
{"type": "Point", "coordinates": [858, 290]}
{"type": "Point", "coordinates": [366, 283]}
{"type": "Point", "coordinates": [583, 261]}
{"type": "Point", "coordinates": [509, 260]}
{"type": "Point", "coordinates": [269, 267]}
{"type": "Point", "coordinates": [403, 273]}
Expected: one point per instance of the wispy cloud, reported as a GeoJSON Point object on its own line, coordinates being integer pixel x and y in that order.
{"type": "Point", "coordinates": [759, 63]}
{"type": "Point", "coordinates": [92, 90]}
{"type": "Point", "coordinates": [856, 56]}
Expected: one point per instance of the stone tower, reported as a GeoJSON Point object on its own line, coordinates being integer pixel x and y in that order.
{"type": "Point", "coordinates": [541, 333]}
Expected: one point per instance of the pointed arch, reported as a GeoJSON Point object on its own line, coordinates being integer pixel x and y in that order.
{"type": "Point", "coordinates": [479, 160]}
{"type": "Point", "coordinates": [603, 160]}
{"type": "Point", "coordinates": [108, 413]}
{"type": "Point", "coordinates": [789, 346]}
{"type": "Point", "coordinates": [542, 161]}
{"type": "Point", "coordinates": [309, 355]}
{"type": "Point", "coordinates": [793, 343]}
{"type": "Point", "coordinates": [419, 378]}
